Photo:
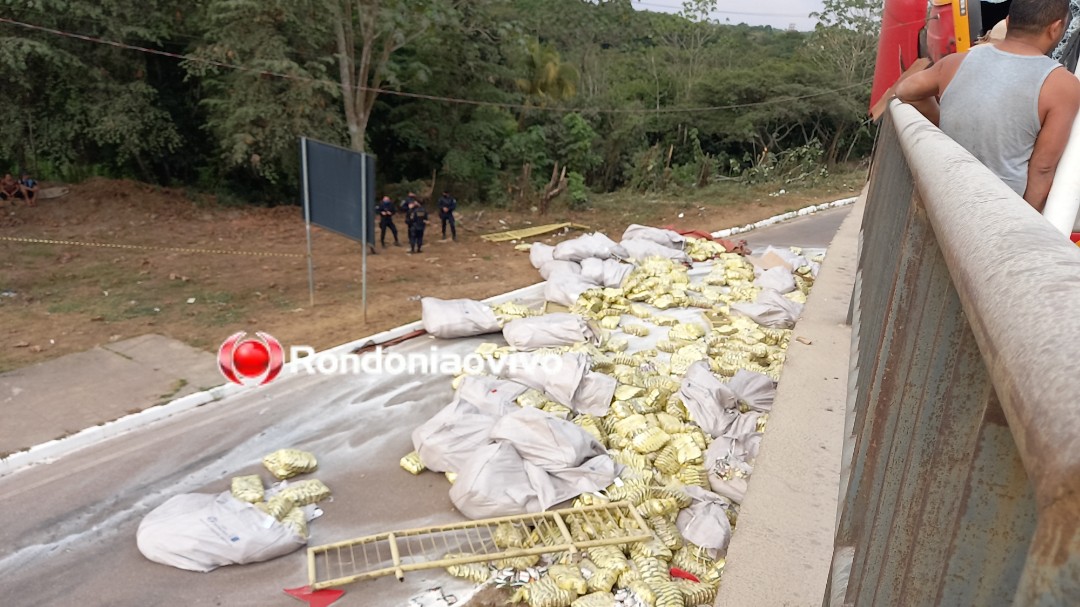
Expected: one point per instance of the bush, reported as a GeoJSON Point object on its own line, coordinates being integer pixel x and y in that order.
{"type": "Point", "coordinates": [579, 194]}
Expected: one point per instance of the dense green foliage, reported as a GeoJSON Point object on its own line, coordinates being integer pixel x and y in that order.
{"type": "Point", "coordinates": [619, 97]}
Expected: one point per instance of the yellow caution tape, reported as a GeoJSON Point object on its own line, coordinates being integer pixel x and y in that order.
{"type": "Point", "coordinates": [145, 247]}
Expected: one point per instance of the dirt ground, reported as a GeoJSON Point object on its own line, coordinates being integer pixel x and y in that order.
{"type": "Point", "coordinates": [59, 298]}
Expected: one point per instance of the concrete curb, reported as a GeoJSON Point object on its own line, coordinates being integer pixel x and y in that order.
{"type": "Point", "coordinates": [775, 219]}
{"type": "Point", "coordinates": [52, 450]}
{"type": "Point", "coordinates": [787, 520]}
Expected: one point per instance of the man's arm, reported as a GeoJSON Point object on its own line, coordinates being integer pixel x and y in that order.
{"type": "Point", "coordinates": [922, 89]}
{"type": "Point", "coordinates": [1060, 97]}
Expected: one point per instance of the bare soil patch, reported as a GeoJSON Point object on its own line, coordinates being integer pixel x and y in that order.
{"type": "Point", "coordinates": [61, 298]}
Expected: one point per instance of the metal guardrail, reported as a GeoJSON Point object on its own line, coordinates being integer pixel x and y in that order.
{"type": "Point", "coordinates": [961, 481]}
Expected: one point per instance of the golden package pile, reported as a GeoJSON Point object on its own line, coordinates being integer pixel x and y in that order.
{"type": "Point", "coordinates": [477, 573]}
{"type": "Point", "coordinates": [296, 519]}
{"type": "Point", "coordinates": [287, 463]}
{"type": "Point", "coordinates": [700, 249]}
{"type": "Point", "coordinates": [650, 332]}
{"type": "Point", "coordinates": [248, 488]}
{"type": "Point", "coordinates": [306, 492]}
{"type": "Point", "coordinates": [277, 506]}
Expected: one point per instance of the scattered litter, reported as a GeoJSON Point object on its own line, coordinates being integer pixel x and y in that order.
{"type": "Point", "coordinates": [803, 340]}
{"type": "Point", "coordinates": [8, 294]}
{"type": "Point", "coordinates": [432, 597]}
{"type": "Point", "coordinates": [315, 598]}
{"type": "Point", "coordinates": [190, 300]}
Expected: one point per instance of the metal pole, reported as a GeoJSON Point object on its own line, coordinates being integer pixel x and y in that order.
{"type": "Point", "coordinates": [307, 218]}
{"type": "Point", "coordinates": [363, 232]}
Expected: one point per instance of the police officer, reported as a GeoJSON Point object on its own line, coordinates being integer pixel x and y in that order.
{"type": "Point", "coordinates": [386, 212]}
{"type": "Point", "coordinates": [407, 202]}
{"type": "Point", "coordinates": [447, 205]}
{"type": "Point", "coordinates": [416, 218]}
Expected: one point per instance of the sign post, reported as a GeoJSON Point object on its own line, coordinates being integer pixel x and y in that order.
{"type": "Point", "coordinates": [339, 195]}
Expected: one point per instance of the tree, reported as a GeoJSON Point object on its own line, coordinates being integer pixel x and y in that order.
{"type": "Point", "coordinates": [548, 78]}
{"type": "Point", "coordinates": [368, 33]}
{"type": "Point", "coordinates": [72, 103]}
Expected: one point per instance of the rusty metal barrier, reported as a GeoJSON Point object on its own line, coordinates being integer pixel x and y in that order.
{"type": "Point", "coordinates": [961, 481]}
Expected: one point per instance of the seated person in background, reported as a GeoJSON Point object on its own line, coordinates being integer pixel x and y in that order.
{"type": "Point", "coordinates": [28, 189]}
{"type": "Point", "coordinates": [9, 188]}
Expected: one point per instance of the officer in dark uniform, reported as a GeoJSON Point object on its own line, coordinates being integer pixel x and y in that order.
{"type": "Point", "coordinates": [447, 205]}
{"type": "Point", "coordinates": [386, 212]}
{"type": "Point", "coordinates": [416, 218]}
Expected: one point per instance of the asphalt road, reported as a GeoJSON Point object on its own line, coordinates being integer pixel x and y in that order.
{"type": "Point", "coordinates": [68, 534]}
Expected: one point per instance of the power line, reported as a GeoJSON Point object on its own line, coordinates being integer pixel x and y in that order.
{"type": "Point", "coordinates": [422, 96]}
{"type": "Point", "coordinates": [740, 13]}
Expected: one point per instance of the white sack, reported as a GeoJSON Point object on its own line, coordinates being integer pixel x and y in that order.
{"type": "Point", "coordinates": [555, 266]}
{"type": "Point", "coordinates": [710, 403]}
{"type": "Point", "coordinates": [545, 440]}
{"type": "Point", "coordinates": [536, 461]}
{"type": "Point", "coordinates": [705, 522]}
{"type": "Point", "coordinates": [668, 238]}
{"type": "Point", "coordinates": [449, 318]}
{"type": "Point", "coordinates": [770, 309]}
{"type": "Point", "coordinates": [778, 279]}
{"type": "Point", "coordinates": [494, 482]}
{"type": "Point", "coordinates": [202, 531]}
{"type": "Point", "coordinates": [605, 272]}
{"type": "Point", "coordinates": [589, 245]}
{"type": "Point", "coordinates": [447, 440]}
{"type": "Point", "coordinates": [548, 331]}
{"type": "Point", "coordinates": [755, 389]}
{"type": "Point", "coordinates": [540, 254]}
{"type": "Point", "coordinates": [616, 272]}
{"type": "Point", "coordinates": [734, 490]}
{"type": "Point", "coordinates": [567, 380]}
{"type": "Point", "coordinates": [564, 289]}
{"type": "Point", "coordinates": [644, 249]}
{"type": "Point", "coordinates": [592, 270]}
{"type": "Point", "coordinates": [790, 257]}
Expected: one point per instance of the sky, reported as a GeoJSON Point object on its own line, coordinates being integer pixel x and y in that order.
{"type": "Point", "coordinates": [777, 13]}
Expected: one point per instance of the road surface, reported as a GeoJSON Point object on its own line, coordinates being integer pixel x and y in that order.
{"type": "Point", "coordinates": [68, 535]}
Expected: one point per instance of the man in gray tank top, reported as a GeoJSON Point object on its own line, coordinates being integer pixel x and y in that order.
{"type": "Point", "coordinates": [1008, 104]}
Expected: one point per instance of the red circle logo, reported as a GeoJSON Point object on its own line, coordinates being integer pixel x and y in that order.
{"type": "Point", "coordinates": [252, 359]}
